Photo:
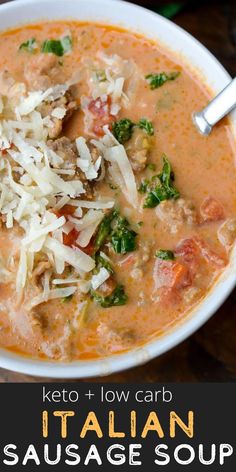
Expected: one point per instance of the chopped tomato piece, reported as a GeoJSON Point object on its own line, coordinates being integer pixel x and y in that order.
{"type": "Point", "coordinates": [170, 274]}
{"type": "Point", "coordinates": [100, 107]}
{"type": "Point", "coordinates": [192, 250]}
{"type": "Point", "coordinates": [5, 151]}
{"type": "Point", "coordinates": [88, 249]}
{"type": "Point", "coordinates": [188, 252]}
{"type": "Point", "coordinates": [209, 255]}
{"type": "Point", "coordinates": [66, 210]}
{"type": "Point", "coordinates": [102, 114]}
{"type": "Point", "coordinates": [211, 210]}
{"type": "Point", "coordinates": [70, 239]}
{"type": "Point", "coordinates": [98, 127]}
{"type": "Point", "coordinates": [170, 296]}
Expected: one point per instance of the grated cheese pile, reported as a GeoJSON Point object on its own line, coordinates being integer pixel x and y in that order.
{"type": "Point", "coordinates": [112, 80]}
{"type": "Point", "coordinates": [33, 186]}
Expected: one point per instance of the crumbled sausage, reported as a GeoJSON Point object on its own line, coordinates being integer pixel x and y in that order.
{"type": "Point", "coordinates": [68, 103]}
{"type": "Point", "coordinates": [42, 71]}
{"type": "Point", "coordinates": [67, 150]}
{"type": "Point", "coordinates": [173, 213]}
{"type": "Point", "coordinates": [138, 149]}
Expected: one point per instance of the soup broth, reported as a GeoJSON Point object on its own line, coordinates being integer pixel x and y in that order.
{"type": "Point", "coordinates": [116, 216]}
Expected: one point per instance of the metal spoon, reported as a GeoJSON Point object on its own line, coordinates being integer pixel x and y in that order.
{"type": "Point", "coordinates": [220, 106]}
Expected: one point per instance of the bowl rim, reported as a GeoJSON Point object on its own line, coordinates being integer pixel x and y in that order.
{"type": "Point", "coordinates": [192, 322]}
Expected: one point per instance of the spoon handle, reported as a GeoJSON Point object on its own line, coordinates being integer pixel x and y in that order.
{"type": "Point", "coordinates": [220, 106]}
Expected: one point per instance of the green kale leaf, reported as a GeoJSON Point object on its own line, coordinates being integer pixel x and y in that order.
{"type": "Point", "coordinates": [117, 298]}
{"type": "Point", "coordinates": [157, 80]}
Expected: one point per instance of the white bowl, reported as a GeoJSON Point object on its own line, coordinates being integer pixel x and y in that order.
{"type": "Point", "coordinates": [215, 76]}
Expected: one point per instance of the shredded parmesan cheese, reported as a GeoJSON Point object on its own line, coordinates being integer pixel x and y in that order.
{"type": "Point", "coordinates": [65, 281]}
{"type": "Point", "coordinates": [98, 279]}
{"type": "Point", "coordinates": [44, 231]}
{"type": "Point", "coordinates": [59, 113]}
{"type": "Point", "coordinates": [52, 295]}
{"type": "Point", "coordinates": [36, 182]}
{"type": "Point", "coordinates": [95, 204]}
{"type": "Point", "coordinates": [22, 271]}
{"type": "Point", "coordinates": [75, 257]}
{"type": "Point", "coordinates": [117, 155]}
{"type": "Point", "coordinates": [85, 162]}
{"type": "Point", "coordinates": [86, 234]}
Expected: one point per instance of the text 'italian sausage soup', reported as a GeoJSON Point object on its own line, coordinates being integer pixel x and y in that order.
{"type": "Point", "coordinates": [116, 216]}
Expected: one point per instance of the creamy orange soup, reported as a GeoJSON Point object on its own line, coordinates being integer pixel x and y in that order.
{"type": "Point", "coordinates": [116, 215]}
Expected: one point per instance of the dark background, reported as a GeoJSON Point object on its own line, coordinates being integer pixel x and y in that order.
{"type": "Point", "coordinates": [210, 354]}
{"type": "Point", "coordinates": [212, 425]}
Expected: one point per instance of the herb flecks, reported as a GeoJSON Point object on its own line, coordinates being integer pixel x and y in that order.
{"type": "Point", "coordinates": [59, 47]}
{"type": "Point", "coordinates": [123, 239]}
{"type": "Point", "coordinates": [123, 130]}
{"type": "Point", "coordinates": [143, 187]}
{"type": "Point", "coordinates": [147, 125]}
{"type": "Point", "coordinates": [116, 230]}
{"type": "Point", "coordinates": [157, 80]}
{"type": "Point", "coordinates": [117, 298]}
{"type": "Point", "coordinates": [29, 46]}
{"type": "Point", "coordinates": [105, 229]}
{"type": "Point", "coordinates": [101, 75]}
{"type": "Point", "coordinates": [165, 254]}
{"type": "Point", "coordinates": [164, 190]}
{"type": "Point", "coordinates": [102, 262]}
